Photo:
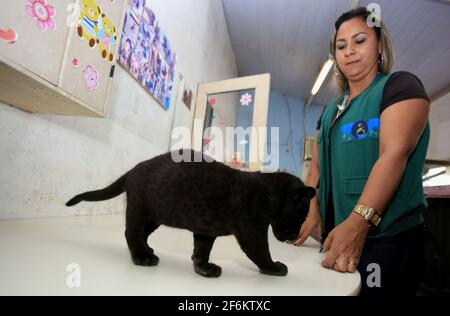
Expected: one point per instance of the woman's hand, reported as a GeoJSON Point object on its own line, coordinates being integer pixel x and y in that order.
{"type": "Point", "coordinates": [345, 243]}
{"type": "Point", "coordinates": [312, 226]}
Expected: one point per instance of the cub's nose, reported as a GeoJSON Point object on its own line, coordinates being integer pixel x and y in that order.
{"type": "Point", "coordinates": [293, 236]}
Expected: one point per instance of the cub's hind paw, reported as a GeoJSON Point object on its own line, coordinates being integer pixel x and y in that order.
{"type": "Point", "coordinates": [146, 261]}
{"type": "Point", "coordinates": [277, 269]}
{"type": "Point", "coordinates": [209, 270]}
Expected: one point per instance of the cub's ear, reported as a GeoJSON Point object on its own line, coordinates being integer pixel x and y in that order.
{"type": "Point", "coordinates": [305, 193]}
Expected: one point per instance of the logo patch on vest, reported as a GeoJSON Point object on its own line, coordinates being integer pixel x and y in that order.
{"type": "Point", "coordinates": [360, 130]}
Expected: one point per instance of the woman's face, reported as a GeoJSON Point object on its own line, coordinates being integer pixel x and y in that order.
{"type": "Point", "coordinates": [127, 48]}
{"type": "Point", "coordinates": [357, 49]}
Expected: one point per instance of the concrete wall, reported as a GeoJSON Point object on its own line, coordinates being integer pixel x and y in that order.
{"type": "Point", "coordinates": [46, 159]}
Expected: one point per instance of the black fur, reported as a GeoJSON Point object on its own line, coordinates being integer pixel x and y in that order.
{"type": "Point", "coordinates": [211, 200]}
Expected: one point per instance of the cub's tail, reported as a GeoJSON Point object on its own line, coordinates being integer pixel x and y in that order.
{"type": "Point", "coordinates": [115, 189]}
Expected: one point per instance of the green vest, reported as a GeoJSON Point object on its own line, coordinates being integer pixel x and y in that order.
{"type": "Point", "coordinates": [347, 153]}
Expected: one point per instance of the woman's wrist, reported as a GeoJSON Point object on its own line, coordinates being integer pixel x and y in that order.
{"type": "Point", "coordinates": [359, 222]}
{"type": "Point", "coordinates": [313, 215]}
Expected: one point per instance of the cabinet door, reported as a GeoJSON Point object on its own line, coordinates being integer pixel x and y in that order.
{"type": "Point", "coordinates": [42, 29]}
{"type": "Point", "coordinates": [91, 52]}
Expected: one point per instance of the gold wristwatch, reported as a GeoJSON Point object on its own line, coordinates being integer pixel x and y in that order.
{"type": "Point", "coordinates": [369, 214]}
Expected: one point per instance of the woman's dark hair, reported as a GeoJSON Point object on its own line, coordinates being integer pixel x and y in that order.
{"type": "Point", "coordinates": [362, 12]}
{"type": "Point", "coordinates": [386, 60]}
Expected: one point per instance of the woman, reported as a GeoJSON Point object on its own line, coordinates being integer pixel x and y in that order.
{"type": "Point", "coordinates": [367, 164]}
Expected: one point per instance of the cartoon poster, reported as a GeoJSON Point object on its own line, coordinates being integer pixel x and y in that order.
{"type": "Point", "coordinates": [141, 53]}
{"type": "Point", "coordinates": [170, 79]}
{"type": "Point", "coordinates": [130, 31]}
{"type": "Point", "coordinates": [96, 28]}
{"type": "Point", "coordinates": [146, 53]}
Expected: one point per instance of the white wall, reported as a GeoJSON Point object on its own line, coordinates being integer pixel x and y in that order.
{"type": "Point", "coordinates": [287, 113]}
{"type": "Point", "coordinates": [46, 159]}
{"type": "Point", "coordinates": [439, 146]}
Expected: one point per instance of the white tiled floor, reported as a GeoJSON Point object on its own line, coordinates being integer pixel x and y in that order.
{"type": "Point", "coordinates": [34, 255]}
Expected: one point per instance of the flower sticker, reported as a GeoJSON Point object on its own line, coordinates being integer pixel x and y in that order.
{"type": "Point", "coordinates": [207, 140]}
{"type": "Point", "coordinates": [91, 78]}
{"type": "Point", "coordinates": [236, 161]}
{"type": "Point", "coordinates": [43, 13]}
{"type": "Point", "coordinates": [246, 99]}
{"type": "Point", "coordinates": [76, 62]}
{"type": "Point", "coordinates": [209, 152]}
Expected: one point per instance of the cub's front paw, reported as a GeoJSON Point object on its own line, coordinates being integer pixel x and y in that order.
{"type": "Point", "coordinates": [277, 268]}
{"type": "Point", "coordinates": [209, 270]}
{"type": "Point", "coordinates": [146, 261]}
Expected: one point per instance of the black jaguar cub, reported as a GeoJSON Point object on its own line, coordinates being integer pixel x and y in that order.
{"type": "Point", "coordinates": [210, 199]}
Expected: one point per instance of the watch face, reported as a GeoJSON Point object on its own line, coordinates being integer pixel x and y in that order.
{"type": "Point", "coordinates": [376, 219]}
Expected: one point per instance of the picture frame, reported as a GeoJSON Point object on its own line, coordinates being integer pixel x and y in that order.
{"type": "Point", "coordinates": [145, 52]}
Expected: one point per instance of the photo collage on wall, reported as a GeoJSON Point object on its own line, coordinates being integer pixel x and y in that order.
{"type": "Point", "coordinates": [146, 53]}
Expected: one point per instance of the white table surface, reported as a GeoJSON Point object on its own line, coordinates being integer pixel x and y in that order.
{"type": "Point", "coordinates": [35, 255]}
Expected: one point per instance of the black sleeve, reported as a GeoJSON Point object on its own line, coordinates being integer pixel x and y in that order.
{"type": "Point", "coordinates": [402, 85]}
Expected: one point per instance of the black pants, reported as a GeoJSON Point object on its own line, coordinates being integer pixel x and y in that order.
{"type": "Point", "coordinates": [389, 265]}
{"type": "Point", "coordinates": [393, 265]}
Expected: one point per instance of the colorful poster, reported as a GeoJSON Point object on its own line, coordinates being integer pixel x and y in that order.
{"type": "Point", "coordinates": [144, 42]}
{"type": "Point", "coordinates": [130, 31]}
{"type": "Point", "coordinates": [146, 53]}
